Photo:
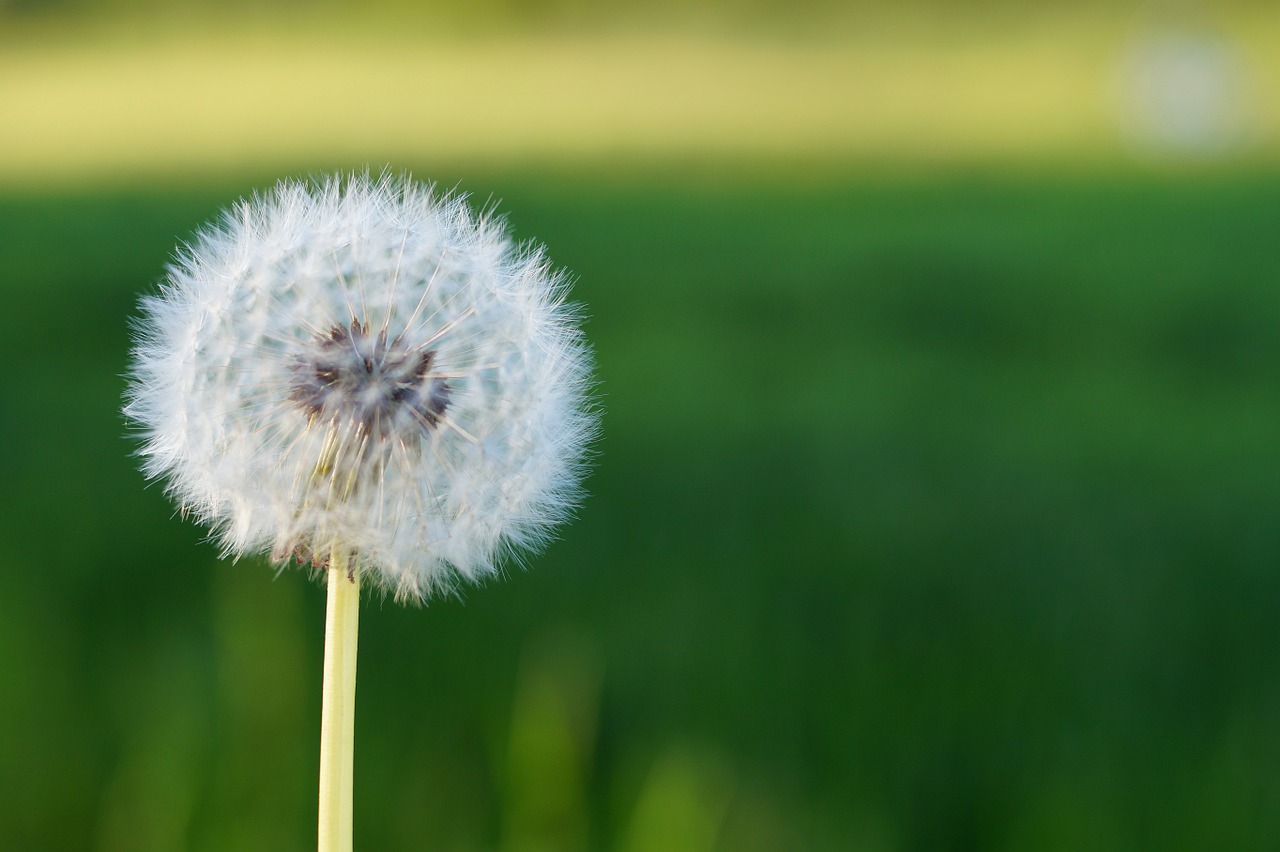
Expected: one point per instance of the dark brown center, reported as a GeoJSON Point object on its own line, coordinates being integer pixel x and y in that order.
{"type": "Point", "coordinates": [383, 388]}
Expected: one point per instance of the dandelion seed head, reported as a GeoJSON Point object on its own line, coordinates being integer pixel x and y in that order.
{"type": "Point", "coordinates": [363, 363]}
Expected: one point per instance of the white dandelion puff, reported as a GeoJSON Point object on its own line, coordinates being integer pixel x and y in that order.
{"type": "Point", "coordinates": [363, 363]}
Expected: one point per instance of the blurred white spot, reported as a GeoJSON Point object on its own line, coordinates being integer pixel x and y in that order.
{"type": "Point", "coordinates": [1185, 93]}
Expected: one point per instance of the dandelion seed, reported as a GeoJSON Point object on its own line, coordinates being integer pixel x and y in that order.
{"type": "Point", "coordinates": [364, 362]}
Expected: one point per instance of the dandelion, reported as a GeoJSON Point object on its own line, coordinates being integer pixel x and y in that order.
{"type": "Point", "coordinates": [365, 377]}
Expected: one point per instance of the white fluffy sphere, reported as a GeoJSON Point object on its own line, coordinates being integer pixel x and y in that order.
{"type": "Point", "coordinates": [363, 364]}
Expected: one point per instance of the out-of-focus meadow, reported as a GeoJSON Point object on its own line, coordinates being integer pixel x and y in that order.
{"type": "Point", "coordinates": [936, 506]}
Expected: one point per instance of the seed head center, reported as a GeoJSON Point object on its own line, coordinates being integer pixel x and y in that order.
{"type": "Point", "coordinates": [381, 387]}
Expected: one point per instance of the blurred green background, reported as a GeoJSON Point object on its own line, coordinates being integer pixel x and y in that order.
{"type": "Point", "coordinates": [936, 506]}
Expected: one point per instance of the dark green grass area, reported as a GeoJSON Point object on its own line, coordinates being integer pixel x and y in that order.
{"type": "Point", "coordinates": [928, 515]}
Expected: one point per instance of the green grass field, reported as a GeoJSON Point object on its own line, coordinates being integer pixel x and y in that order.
{"type": "Point", "coordinates": [929, 515]}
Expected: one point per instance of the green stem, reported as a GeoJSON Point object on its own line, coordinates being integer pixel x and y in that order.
{"type": "Point", "coordinates": [338, 706]}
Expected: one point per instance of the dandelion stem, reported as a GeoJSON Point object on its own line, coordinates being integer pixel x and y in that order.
{"type": "Point", "coordinates": [338, 706]}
